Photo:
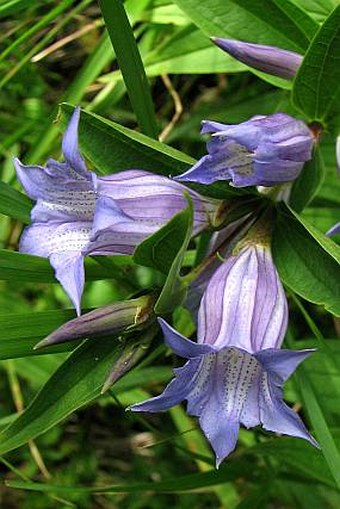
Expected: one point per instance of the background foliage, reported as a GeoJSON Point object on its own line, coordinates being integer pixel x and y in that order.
{"type": "Point", "coordinates": [73, 446]}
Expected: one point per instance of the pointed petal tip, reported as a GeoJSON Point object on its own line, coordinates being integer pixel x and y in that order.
{"type": "Point", "coordinates": [51, 339]}
{"type": "Point", "coordinates": [218, 462]}
{"type": "Point", "coordinates": [313, 442]}
{"type": "Point", "coordinates": [136, 407]}
{"type": "Point", "coordinates": [16, 161]}
{"type": "Point", "coordinates": [219, 40]}
{"type": "Point", "coordinates": [39, 345]}
{"type": "Point", "coordinates": [181, 345]}
{"type": "Point", "coordinates": [55, 338]}
{"type": "Point", "coordinates": [221, 457]}
{"type": "Point", "coordinates": [106, 387]}
{"type": "Point", "coordinates": [178, 178]}
{"type": "Point", "coordinates": [335, 230]}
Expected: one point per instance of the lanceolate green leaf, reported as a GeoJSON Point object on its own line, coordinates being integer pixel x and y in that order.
{"type": "Point", "coordinates": [188, 50]}
{"type": "Point", "coordinates": [160, 249]}
{"type": "Point", "coordinates": [130, 63]}
{"type": "Point", "coordinates": [309, 182]}
{"type": "Point", "coordinates": [318, 421]}
{"type": "Point", "coordinates": [297, 455]}
{"type": "Point", "coordinates": [19, 332]}
{"type": "Point", "coordinates": [174, 288]}
{"type": "Point", "coordinates": [307, 261]}
{"type": "Point", "coordinates": [298, 16]}
{"type": "Point", "coordinates": [332, 249]}
{"type": "Point", "coordinates": [176, 484]}
{"type": "Point", "coordinates": [164, 251]}
{"type": "Point", "coordinates": [276, 22]}
{"type": "Point", "coordinates": [111, 147]}
{"type": "Point", "coordinates": [77, 382]}
{"type": "Point", "coordinates": [14, 6]}
{"type": "Point", "coordinates": [317, 82]}
{"type": "Point", "coordinates": [23, 267]}
{"type": "Point", "coordinates": [14, 204]}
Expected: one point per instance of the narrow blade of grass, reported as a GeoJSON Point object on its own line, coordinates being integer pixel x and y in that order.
{"type": "Point", "coordinates": [130, 63]}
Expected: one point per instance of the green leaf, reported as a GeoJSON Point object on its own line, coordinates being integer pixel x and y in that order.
{"type": "Point", "coordinates": [296, 456]}
{"type": "Point", "coordinates": [321, 429]}
{"type": "Point", "coordinates": [28, 34]}
{"type": "Point", "coordinates": [307, 261]}
{"type": "Point", "coordinates": [174, 289]}
{"type": "Point", "coordinates": [23, 267]}
{"type": "Point", "coordinates": [20, 332]}
{"type": "Point", "coordinates": [160, 249]}
{"type": "Point", "coordinates": [25, 57]}
{"type": "Point", "coordinates": [319, 9]}
{"type": "Point", "coordinates": [317, 82]}
{"type": "Point", "coordinates": [14, 204]}
{"type": "Point", "coordinates": [176, 484]}
{"type": "Point", "coordinates": [130, 63]}
{"type": "Point", "coordinates": [309, 182]}
{"type": "Point", "coordinates": [276, 22]}
{"type": "Point", "coordinates": [111, 147]}
{"type": "Point", "coordinates": [14, 6]}
{"type": "Point", "coordinates": [187, 51]}
{"type": "Point", "coordinates": [164, 251]}
{"type": "Point", "coordinates": [323, 218]}
{"type": "Point", "coordinates": [77, 382]}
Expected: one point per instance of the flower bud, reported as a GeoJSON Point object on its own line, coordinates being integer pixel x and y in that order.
{"type": "Point", "coordinates": [268, 59]}
{"type": "Point", "coordinates": [105, 321]}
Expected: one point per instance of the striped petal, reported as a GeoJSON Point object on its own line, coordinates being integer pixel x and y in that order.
{"type": "Point", "coordinates": [244, 304]}
{"type": "Point", "coordinates": [152, 200]}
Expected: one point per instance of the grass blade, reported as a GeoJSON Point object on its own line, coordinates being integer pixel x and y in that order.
{"type": "Point", "coordinates": [130, 64]}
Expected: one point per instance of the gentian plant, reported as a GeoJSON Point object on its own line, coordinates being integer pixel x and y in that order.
{"type": "Point", "coordinates": [222, 251]}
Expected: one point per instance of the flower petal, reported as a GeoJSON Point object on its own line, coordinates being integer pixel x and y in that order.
{"type": "Point", "coordinates": [282, 362]}
{"type": "Point", "coordinates": [180, 344]}
{"type": "Point", "coordinates": [219, 395]}
{"type": "Point", "coordinates": [45, 239]}
{"type": "Point", "coordinates": [221, 431]}
{"type": "Point", "coordinates": [69, 270]}
{"type": "Point", "coordinates": [107, 214]}
{"type": "Point", "coordinates": [240, 152]}
{"type": "Point", "coordinates": [296, 148]}
{"type": "Point", "coordinates": [152, 200]}
{"type": "Point", "coordinates": [59, 196]}
{"type": "Point", "coordinates": [63, 244]}
{"type": "Point", "coordinates": [206, 171]}
{"type": "Point", "coordinates": [335, 230]}
{"type": "Point", "coordinates": [70, 145]}
{"type": "Point", "coordinates": [276, 415]}
{"type": "Point", "coordinates": [244, 304]}
{"type": "Point", "coordinates": [174, 393]}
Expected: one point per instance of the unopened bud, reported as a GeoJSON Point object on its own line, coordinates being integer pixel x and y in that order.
{"type": "Point", "coordinates": [106, 321]}
{"type": "Point", "coordinates": [268, 59]}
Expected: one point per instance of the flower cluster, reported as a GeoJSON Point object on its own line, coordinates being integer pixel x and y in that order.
{"type": "Point", "coordinates": [235, 372]}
